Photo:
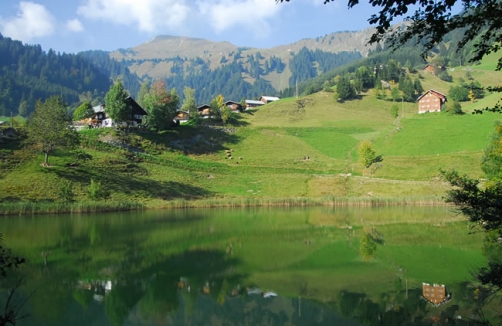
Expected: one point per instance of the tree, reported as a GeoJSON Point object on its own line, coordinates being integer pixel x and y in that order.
{"type": "Point", "coordinates": [115, 100]}
{"type": "Point", "coordinates": [491, 163]}
{"type": "Point", "coordinates": [418, 86]}
{"type": "Point", "coordinates": [50, 127]}
{"type": "Point", "coordinates": [481, 205]}
{"type": "Point", "coordinates": [162, 105]}
{"type": "Point", "coordinates": [344, 88]}
{"type": "Point", "coordinates": [11, 314]}
{"type": "Point", "coordinates": [143, 91]}
{"type": "Point", "coordinates": [471, 96]}
{"type": "Point", "coordinates": [395, 94]}
{"type": "Point", "coordinates": [83, 111]}
{"type": "Point", "coordinates": [216, 107]}
{"type": "Point", "coordinates": [366, 153]}
{"type": "Point", "coordinates": [189, 103]}
{"type": "Point", "coordinates": [23, 108]}
{"type": "Point", "coordinates": [458, 93]}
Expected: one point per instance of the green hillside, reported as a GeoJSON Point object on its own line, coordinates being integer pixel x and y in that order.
{"type": "Point", "coordinates": [275, 154]}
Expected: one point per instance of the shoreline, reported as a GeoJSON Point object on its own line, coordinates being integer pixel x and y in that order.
{"type": "Point", "coordinates": [22, 208]}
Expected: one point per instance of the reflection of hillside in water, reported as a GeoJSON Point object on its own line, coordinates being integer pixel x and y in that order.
{"type": "Point", "coordinates": [136, 269]}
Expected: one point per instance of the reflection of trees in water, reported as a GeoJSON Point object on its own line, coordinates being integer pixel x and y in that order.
{"type": "Point", "coordinates": [396, 308]}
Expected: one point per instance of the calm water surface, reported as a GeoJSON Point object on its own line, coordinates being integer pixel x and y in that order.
{"type": "Point", "coordinates": [256, 266]}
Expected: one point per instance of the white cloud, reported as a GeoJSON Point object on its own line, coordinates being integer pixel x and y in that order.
{"type": "Point", "coordinates": [252, 14]}
{"type": "Point", "coordinates": [148, 15]}
{"type": "Point", "coordinates": [33, 20]}
{"type": "Point", "coordinates": [74, 25]}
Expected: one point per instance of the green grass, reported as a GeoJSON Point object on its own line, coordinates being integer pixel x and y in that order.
{"type": "Point", "coordinates": [268, 148]}
{"type": "Point", "coordinates": [438, 133]}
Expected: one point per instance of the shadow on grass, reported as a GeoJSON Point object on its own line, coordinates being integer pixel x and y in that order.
{"type": "Point", "coordinates": [203, 139]}
{"type": "Point", "coordinates": [134, 185]}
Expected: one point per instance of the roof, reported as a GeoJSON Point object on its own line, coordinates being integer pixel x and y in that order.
{"type": "Point", "coordinates": [432, 91]}
{"type": "Point", "coordinates": [231, 102]}
{"type": "Point", "coordinates": [202, 107]}
{"type": "Point", "coordinates": [270, 98]}
{"type": "Point", "coordinates": [254, 102]}
{"type": "Point", "coordinates": [136, 108]}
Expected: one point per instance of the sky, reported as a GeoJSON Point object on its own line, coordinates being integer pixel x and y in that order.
{"type": "Point", "coordinates": [72, 26]}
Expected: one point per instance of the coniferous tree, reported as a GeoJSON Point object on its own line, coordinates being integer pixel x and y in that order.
{"type": "Point", "coordinates": [344, 88]}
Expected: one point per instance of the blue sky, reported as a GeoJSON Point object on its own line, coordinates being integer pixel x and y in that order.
{"type": "Point", "coordinates": [79, 25]}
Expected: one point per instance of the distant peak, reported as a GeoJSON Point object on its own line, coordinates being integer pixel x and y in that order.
{"type": "Point", "coordinates": [172, 37]}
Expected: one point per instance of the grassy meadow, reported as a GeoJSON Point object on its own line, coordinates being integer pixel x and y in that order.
{"type": "Point", "coordinates": [277, 154]}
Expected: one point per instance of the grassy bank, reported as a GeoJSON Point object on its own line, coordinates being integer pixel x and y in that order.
{"type": "Point", "coordinates": [279, 154]}
{"type": "Point", "coordinates": [33, 208]}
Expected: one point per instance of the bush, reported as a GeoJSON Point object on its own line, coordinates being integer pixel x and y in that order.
{"type": "Point", "coordinates": [66, 191]}
{"type": "Point", "coordinates": [453, 107]}
{"type": "Point", "coordinates": [394, 110]}
{"type": "Point", "coordinates": [96, 191]}
{"type": "Point", "coordinates": [445, 76]}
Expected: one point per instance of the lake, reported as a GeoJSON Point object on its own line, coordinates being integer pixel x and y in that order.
{"type": "Point", "coordinates": [253, 266]}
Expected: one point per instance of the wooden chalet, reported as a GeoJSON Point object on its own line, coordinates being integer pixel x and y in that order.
{"type": "Point", "coordinates": [268, 99]}
{"type": "Point", "coordinates": [435, 294]}
{"type": "Point", "coordinates": [234, 106]}
{"type": "Point", "coordinates": [431, 101]}
{"type": "Point", "coordinates": [181, 116]}
{"type": "Point", "coordinates": [204, 111]}
{"type": "Point", "coordinates": [101, 118]}
{"type": "Point", "coordinates": [253, 104]}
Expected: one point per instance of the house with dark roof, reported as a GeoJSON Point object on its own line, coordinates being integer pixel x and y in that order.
{"type": "Point", "coordinates": [234, 106]}
{"type": "Point", "coordinates": [431, 101]}
{"type": "Point", "coordinates": [181, 116]}
{"type": "Point", "coordinates": [253, 104]}
{"type": "Point", "coordinates": [101, 118]}
{"type": "Point", "coordinates": [204, 111]}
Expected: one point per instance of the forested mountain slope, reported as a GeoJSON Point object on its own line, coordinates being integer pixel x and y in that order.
{"type": "Point", "coordinates": [29, 74]}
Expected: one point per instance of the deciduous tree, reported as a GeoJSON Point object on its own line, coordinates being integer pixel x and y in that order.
{"type": "Point", "coordinates": [161, 105]}
{"type": "Point", "coordinates": [83, 111]}
{"type": "Point", "coordinates": [189, 103]}
{"type": "Point", "coordinates": [50, 127]}
{"type": "Point", "coordinates": [344, 88]}
{"type": "Point", "coordinates": [115, 100]}
{"type": "Point", "coordinates": [366, 153]}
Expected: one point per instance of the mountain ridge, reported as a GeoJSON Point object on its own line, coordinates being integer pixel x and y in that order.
{"type": "Point", "coordinates": [156, 58]}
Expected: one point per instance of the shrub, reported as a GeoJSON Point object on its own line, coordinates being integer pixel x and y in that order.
{"type": "Point", "coordinates": [453, 107]}
{"type": "Point", "coordinates": [66, 191]}
{"type": "Point", "coordinates": [96, 191]}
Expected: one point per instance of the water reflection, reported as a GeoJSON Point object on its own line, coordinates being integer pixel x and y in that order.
{"type": "Point", "coordinates": [245, 267]}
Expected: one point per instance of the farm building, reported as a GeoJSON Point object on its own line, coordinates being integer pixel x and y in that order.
{"type": "Point", "coordinates": [431, 101]}
{"type": "Point", "coordinates": [181, 116]}
{"type": "Point", "coordinates": [253, 104]}
{"type": "Point", "coordinates": [268, 99]}
{"type": "Point", "coordinates": [204, 111]}
{"type": "Point", "coordinates": [234, 106]}
{"type": "Point", "coordinates": [101, 119]}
